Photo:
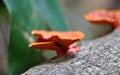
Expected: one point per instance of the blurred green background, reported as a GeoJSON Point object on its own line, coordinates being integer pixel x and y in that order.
{"type": "Point", "coordinates": [19, 17]}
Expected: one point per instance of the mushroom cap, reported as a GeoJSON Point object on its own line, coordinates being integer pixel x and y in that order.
{"type": "Point", "coordinates": [63, 38]}
{"type": "Point", "coordinates": [100, 16]}
{"type": "Point", "coordinates": [42, 45]}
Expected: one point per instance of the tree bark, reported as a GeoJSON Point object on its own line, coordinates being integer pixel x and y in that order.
{"type": "Point", "coordinates": [100, 56]}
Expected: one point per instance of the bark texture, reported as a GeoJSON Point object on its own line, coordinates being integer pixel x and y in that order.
{"type": "Point", "coordinates": [100, 56]}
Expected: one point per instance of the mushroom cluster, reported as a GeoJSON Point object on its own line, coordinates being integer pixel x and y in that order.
{"type": "Point", "coordinates": [64, 43]}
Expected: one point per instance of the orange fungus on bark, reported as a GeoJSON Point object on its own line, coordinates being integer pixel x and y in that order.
{"type": "Point", "coordinates": [64, 43]}
{"type": "Point", "coordinates": [111, 17]}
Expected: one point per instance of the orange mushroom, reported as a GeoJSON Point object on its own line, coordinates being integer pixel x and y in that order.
{"type": "Point", "coordinates": [105, 16]}
{"type": "Point", "coordinates": [64, 43]}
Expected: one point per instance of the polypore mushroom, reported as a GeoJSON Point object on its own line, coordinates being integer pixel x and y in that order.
{"type": "Point", "coordinates": [105, 16]}
{"type": "Point", "coordinates": [64, 43]}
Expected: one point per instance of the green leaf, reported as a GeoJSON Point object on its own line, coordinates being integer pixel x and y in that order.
{"type": "Point", "coordinates": [53, 14]}
{"type": "Point", "coordinates": [25, 16]}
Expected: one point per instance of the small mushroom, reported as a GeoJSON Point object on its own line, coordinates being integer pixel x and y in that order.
{"type": "Point", "coordinates": [64, 43]}
{"type": "Point", "coordinates": [111, 17]}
